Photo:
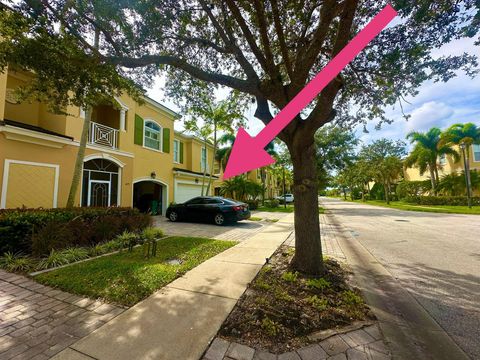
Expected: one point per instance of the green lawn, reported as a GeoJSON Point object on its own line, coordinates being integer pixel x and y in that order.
{"type": "Point", "coordinates": [475, 210]}
{"type": "Point", "coordinates": [126, 278]}
{"type": "Point", "coordinates": [280, 208]}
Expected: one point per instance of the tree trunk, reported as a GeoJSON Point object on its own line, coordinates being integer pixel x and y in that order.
{"type": "Point", "coordinates": [212, 167]}
{"type": "Point", "coordinates": [432, 180]}
{"type": "Point", "coordinates": [387, 193]}
{"type": "Point", "coordinates": [468, 175]}
{"type": "Point", "coordinates": [77, 170]}
{"type": "Point", "coordinates": [308, 248]}
{"type": "Point", "coordinates": [204, 168]}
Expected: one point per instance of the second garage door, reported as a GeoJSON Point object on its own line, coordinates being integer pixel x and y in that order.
{"type": "Point", "coordinates": [185, 192]}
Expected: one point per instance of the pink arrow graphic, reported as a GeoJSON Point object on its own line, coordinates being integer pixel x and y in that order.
{"type": "Point", "coordinates": [248, 153]}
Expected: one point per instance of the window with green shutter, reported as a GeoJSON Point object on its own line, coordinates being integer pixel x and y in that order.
{"type": "Point", "coordinates": [138, 133]}
{"type": "Point", "coordinates": [181, 152]}
{"type": "Point", "coordinates": [166, 140]}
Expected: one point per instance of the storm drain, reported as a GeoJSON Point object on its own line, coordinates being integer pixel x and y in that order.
{"type": "Point", "coordinates": [402, 220]}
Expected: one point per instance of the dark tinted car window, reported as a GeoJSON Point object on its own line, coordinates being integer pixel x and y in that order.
{"type": "Point", "coordinates": [230, 201]}
{"type": "Point", "coordinates": [213, 201]}
{"type": "Point", "coordinates": [195, 201]}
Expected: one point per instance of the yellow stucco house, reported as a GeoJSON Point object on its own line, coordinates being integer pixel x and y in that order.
{"type": "Point", "coordinates": [133, 156]}
{"type": "Point", "coordinates": [447, 165]}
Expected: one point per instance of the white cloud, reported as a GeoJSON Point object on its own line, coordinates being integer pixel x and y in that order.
{"type": "Point", "coordinates": [430, 114]}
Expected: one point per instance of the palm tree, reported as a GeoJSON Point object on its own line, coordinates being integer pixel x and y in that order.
{"type": "Point", "coordinates": [463, 135]}
{"type": "Point", "coordinates": [428, 147]}
{"type": "Point", "coordinates": [454, 184]}
{"type": "Point", "coordinates": [223, 153]}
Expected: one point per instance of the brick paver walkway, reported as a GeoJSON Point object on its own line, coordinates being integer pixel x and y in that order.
{"type": "Point", "coordinates": [36, 321]}
{"type": "Point", "coordinates": [330, 244]}
{"type": "Point", "coordinates": [359, 344]}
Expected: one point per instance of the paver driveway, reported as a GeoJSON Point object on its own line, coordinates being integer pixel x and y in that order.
{"type": "Point", "coordinates": [436, 257]}
{"type": "Point", "coordinates": [36, 321]}
{"type": "Point", "coordinates": [236, 232]}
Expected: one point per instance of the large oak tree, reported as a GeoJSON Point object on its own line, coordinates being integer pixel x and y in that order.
{"type": "Point", "coordinates": [261, 49]}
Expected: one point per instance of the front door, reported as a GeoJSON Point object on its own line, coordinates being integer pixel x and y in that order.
{"type": "Point", "coordinates": [99, 193]}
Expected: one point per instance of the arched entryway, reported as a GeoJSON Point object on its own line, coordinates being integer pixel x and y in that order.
{"type": "Point", "coordinates": [149, 196]}
{"type": "Point", "coordinates": [100, 183]}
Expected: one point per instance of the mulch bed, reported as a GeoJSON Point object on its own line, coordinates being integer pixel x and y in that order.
{"type": "Point", "coordinates": [281, 308]}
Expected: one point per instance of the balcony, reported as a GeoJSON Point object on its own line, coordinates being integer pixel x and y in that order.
{"type": "Point", "coordinates": [103, 135]}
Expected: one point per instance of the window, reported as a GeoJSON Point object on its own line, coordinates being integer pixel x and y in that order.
{"type": "Point", "coordinates": [100, 183]}
{"type": "Point", "coordinates": [176, 151]}
{"type": "Point", "coordinates": [152, 135]}
{"type": "Point", "coordinates": [213, 201]}
{"type": "Point", "coordinates": [476, 152]}
{"type": "Point", "coordinates": [442, 159]}
{"type": "Point", "coordinates": [196, 201]}
{"type": "Point", "coordinates": [203, 164]}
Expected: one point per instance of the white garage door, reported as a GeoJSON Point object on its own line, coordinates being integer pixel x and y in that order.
{"type": "Point", "coordinates": [186, 192]}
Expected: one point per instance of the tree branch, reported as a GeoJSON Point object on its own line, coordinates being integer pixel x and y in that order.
{"type": "Point", "coordinates": [229, 40]}
{"type": "Point", "coordinates": [263, 29]}
{"type": "Point", "coordinates": [248, 36]}
{"type": "Point", "coordinates": [304, 63]}
{"type": "Point", "coordinates": [281, 38]}
{"type": "Point", "coordinates": [221, 79]}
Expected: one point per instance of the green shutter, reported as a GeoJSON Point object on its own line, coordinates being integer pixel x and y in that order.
{"type": "Point", "coordinates": [181, 152]}
{"type": "Point", "coordinates": [138, 133]}
{"type": "Point", "coordinates": [166, 140]}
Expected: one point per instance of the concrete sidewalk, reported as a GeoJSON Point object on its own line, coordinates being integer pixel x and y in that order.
{"type": "Point", "coordinates": [180, 320]}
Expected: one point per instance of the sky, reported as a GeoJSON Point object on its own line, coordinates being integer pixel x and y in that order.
{"type": "Point", "coordinates": [437, 104]}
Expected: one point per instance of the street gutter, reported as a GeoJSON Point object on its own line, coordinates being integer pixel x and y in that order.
{"type": "Point", "coordinates": [409, 330]}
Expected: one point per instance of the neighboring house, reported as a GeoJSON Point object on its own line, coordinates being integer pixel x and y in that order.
{"type": "Point", "coordinates": [265, 176]}
{"type": "Point", "coordinates": [132, 158]}
{"type": "Point", "coordinates": [273, 187]}
{"type": "Point", "coordinates": [192, 158]}
{"type": "Point", "coordinates": [447, 165]}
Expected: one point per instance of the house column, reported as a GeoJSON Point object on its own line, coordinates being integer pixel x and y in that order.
{"type": "Point", "coordinates": [3, 92]}
{"type": "Point", "coordinates": [123, 114]}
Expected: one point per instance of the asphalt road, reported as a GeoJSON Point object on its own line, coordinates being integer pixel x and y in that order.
{"type": "Point", "coordinates": [436, 257]}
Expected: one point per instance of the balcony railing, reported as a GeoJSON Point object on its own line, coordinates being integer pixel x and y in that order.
{"type": "Point", "coordinates": [103, 135]}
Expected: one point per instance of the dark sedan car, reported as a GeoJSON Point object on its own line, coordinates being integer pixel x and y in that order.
{"type": "Point", "coordinates": [209, 208]}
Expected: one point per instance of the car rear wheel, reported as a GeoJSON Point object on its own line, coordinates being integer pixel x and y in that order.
{"type": "Point", "coordinates": [219, 219]}
{"type": "Point", "coordinates": [173, 216]}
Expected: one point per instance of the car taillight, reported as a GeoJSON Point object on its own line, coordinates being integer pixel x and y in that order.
{"type": "Point", "coordinates": [237, 208]}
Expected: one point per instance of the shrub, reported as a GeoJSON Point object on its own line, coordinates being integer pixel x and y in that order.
{"type": "Point", "coordinates": [270, 327]}
{"type": "Point", "coordinates": [127, 239]}
{"type": "Point", "coordinates": [290, 276]}
{"type": "Point", "coordinates": [15, 262]}
{"type": "Point", "coordinates": [351, 298]}
{"type": "Point", "coordinates": [52, 236]}
{"type": "Point", "coordinates": [442, 200]}
{"type": "Point", "coordinates": [274, 203]}
{"type": "Point", "coordinates": [111, 246]}
{"type": "Point", "coordinates": [75, 254]}
{"type": "Point", "coordinates": [39, 231]}
{"type": "Point", "coordinates": [412, 188]}
{"type": "Point", "coordinates": [319, 283]}
{"type": "Point", "coordinates": [151, 234]}
{"type": "Point", "coordinates": [54, 259]}
{"type": "Point", "coordinates": [252, 204]}
{"type": "Point", "coordinates": [377, 192]}
{"type": "Point", "coordinates": [319, 303]}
